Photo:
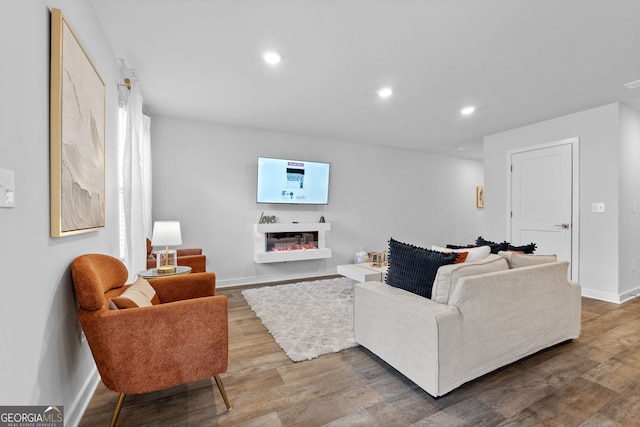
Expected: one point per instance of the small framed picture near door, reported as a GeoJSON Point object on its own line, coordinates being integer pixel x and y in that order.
{"type": "Point", "coordinates": [77, 135]}
{"type": "Point", "coordinates": [480, 196]}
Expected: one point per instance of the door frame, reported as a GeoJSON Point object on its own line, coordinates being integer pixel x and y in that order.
{"type": "Point", "coordinates": [575, 195]}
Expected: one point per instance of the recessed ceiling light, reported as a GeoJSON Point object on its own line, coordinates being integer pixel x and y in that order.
{"type": "Point", "coordinates": [633, 85]}
{"type": "Point", "coordinates": [272, 57]}
{"type": "Point", "coordinates": [468, 110]}
{"type": "Point", "coordinates": [385, 92]}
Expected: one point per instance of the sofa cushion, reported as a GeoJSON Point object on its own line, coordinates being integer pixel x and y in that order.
{"type": "Point", "coordinates": [413, 268]}
{"type": "Point", "coordinates": [139, 294]}
{"type": "Point", "coordinates": [517, 260]}
{"type": "Point", "coordinates": [448, 275]}
{"type": "Point", "coordinates": [473, 253]}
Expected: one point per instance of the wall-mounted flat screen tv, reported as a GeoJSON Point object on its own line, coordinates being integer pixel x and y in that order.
{"type": "Point", "coordinates": [297, 182]}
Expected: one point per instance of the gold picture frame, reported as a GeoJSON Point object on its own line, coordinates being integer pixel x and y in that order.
{"type": "Point", "coordinates": [480, 196]}
{"type": "Point", "coordinates": [77, 135]}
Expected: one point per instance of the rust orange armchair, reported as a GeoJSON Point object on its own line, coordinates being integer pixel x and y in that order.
{"type": "Point", "coordinates": [188, 257]}
{"type": "Point", "coordinates": [181, 338]}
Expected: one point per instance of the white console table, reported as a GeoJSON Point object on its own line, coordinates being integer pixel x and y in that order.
{"type": "Point", "coordinates": [364, 272]}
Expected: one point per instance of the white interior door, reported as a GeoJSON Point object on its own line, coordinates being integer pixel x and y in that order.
{"type": "Point", "coordinates": [542, 199]}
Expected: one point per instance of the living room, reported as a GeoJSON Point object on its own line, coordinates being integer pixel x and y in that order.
{"type": "Point", "coordinates": [204, 176]}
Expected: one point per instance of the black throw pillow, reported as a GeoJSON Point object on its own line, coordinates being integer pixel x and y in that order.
{"type": "Point", "coordinates": [495, 247]}
{"type": "Point", "coordinates": [460, 246]}
{"type": "Point", "coordinates": [413, 268]}
{"type": "Point", "coordinates": [525, 249]}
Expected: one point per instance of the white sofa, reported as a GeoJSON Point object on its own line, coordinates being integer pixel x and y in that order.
{"type": "Point", "coordinates": [488, 315]}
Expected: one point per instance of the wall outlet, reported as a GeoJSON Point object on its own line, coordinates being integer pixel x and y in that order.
{"type": "Point", "coordinates": [597, 207]}
{"type": "Point", "coordinates": [633, 265]}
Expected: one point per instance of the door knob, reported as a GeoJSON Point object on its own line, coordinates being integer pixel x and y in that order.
{"type": "Point", "coordinates": [565, 226]}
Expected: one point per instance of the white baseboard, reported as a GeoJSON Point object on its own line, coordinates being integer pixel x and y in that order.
{"type": "Point", "coordinates": [73, 415]}
{"type": "Point", "coordinates": [611, 297]}
{"type": "Point", "coordinates": [627, 296]}
{"type": "Point", "coordinates": [266, 279]}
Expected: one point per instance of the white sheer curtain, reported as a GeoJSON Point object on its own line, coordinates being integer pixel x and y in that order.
{"type": "Point", "coordinates": [135, 180]}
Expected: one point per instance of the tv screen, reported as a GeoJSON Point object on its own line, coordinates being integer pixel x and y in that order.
{"type": "Point", "coordinates": [292, 182]}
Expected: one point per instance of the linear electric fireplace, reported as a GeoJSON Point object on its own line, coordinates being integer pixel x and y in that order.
{"type": "Point", "coordinates": [291, 241]}
{"type": "Point", "coordinates": [283, 242]}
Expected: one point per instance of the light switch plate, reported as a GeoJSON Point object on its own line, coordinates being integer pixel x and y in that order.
{"type": "Point", "coordinates": [597, 207]}
{"type": "Point", "coordinates": [7, 189]}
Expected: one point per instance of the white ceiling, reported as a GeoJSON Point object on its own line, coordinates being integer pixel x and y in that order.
{"type": "Point", "coordinates": [517, 61]}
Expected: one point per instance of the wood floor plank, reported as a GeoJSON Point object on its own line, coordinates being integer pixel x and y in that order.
{"type": "Point", "coordinates": [512, 394]}
{"type": "Point", "coordinates": [625, 408]}
{"type": "Point", "coordinates": [570, 405]}
{"type": "Point", "coordinates": [614, 374]}
{"type": "Point", "coordinates": [599, 420]}
{"type": "Point", "coordinates": [591, 381]}
{"type": "Point", "coordinates": [564, 368]}
{"type": "Point", "coordinates": [404, 405]}
{"type": "Point", "coordinates": [472, 412]}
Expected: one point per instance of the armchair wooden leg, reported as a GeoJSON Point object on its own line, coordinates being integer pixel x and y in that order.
{"type": "Point", "coordinates": [223, 392]}
{"type": "Point", "coordinates": [116, 413]}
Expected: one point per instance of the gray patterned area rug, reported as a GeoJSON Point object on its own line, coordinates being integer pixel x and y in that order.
{"type": "Point", "coordinates": [307, 319]}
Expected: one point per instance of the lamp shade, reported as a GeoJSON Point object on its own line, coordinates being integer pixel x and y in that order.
{"type": "Point", "coordinates": [166, 233]}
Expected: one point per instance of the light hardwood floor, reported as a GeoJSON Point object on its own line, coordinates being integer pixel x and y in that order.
{"type": "Point", "coordinates": [591, 381]}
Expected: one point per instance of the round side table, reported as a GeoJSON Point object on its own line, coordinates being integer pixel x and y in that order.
{"type": "Point", "coordinates": [153, 272]}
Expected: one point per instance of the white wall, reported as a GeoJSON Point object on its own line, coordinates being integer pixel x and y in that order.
{"type": "Point", "coordinates": [601, 180]}
{"type": "Point", "coordinates": [43, 361]}
{"type": "Point", "coordinates": [205, 177]}
{"type": "Point", "coordinates": [629, 245]}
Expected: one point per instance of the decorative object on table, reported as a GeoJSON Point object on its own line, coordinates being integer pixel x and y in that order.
{"type": "Point", "coordinates": [166, 233]}
{"type": "Point", "coordinates": [379, 259]}
{"type": "Point", "coordinates": [480, 196]}
{"type": "Point", "coordinates": [267, 219]}
{"type": "Point", "coordinates": [7, 189]}
{"type": "Point", "coordinates": [307, 319]}
{"type": "Point", "coordinates": [189, 257]}
{"type": "Point", "coordinates": [361, 257]}
{"type": "Point", "coordinates": [376, 259]}
{"type": "Point", "coordinates": [77, 135]}
{"type": "Point", "coordinates": [322, 219]}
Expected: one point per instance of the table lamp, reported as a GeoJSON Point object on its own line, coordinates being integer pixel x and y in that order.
{"type": "Point", "coordinates": [166, 233]}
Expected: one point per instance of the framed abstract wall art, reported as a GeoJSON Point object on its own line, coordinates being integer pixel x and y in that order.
{"type": "Point", "coordinates": [77, 135]}
{"type": "Point", "coordinates": [480, 196]}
